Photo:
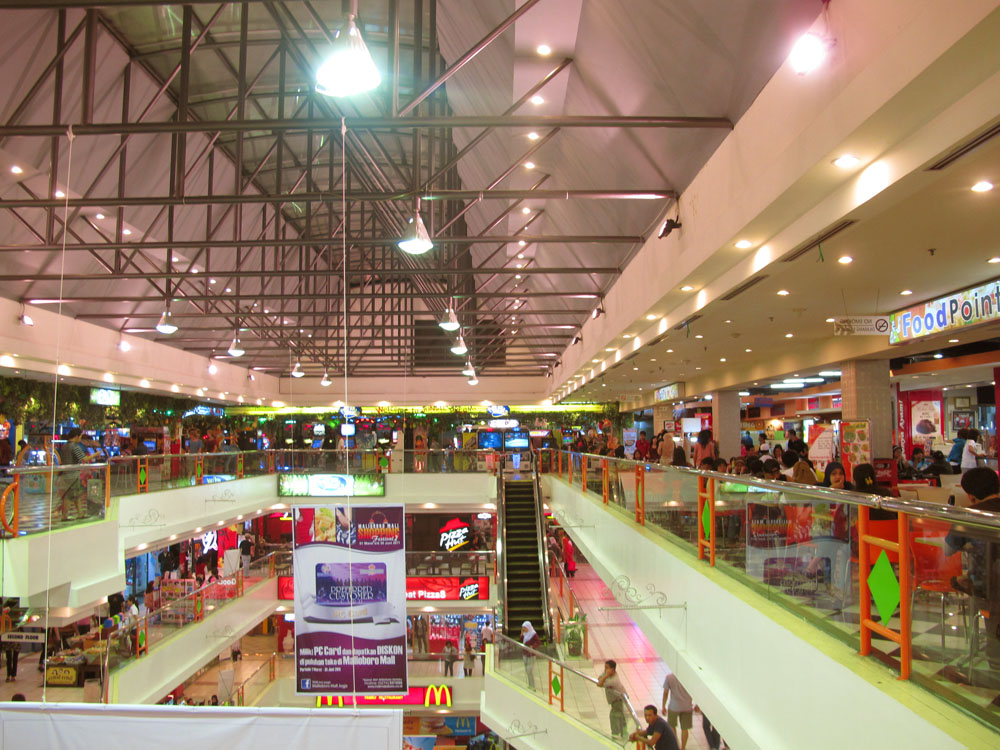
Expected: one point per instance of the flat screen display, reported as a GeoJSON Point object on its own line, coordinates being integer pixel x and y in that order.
{"type": "Point", "coordinates": [150, 445]}
{"type": "Point", "coordinates": [489, 441]}
{"type": "Point", "coordinates": [516, 441]}
{"type": "Point", "coordinates": [331, 485]}
{"type": "Point", "coordinates": [347, 429]}
{"type": "Point", "coordinates": [105, 397]}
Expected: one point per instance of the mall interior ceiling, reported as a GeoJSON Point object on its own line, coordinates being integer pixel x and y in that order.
{"type": "Point", "coordinates": [191, 175]}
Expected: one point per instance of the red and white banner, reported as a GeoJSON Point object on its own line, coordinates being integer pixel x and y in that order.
{"type": "Point", "coordinates": [447, 588]}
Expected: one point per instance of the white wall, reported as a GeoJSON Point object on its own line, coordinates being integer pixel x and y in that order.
{"type": "Point", "coordinates": [84, 727]}
{"type": "Point", "coordinates": [765, 678]}
{"type": "Point", "coordinates": [169, 663]}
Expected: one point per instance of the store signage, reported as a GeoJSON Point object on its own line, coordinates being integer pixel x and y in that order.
{"type": "Point", "coordinates": [16, 636]}
{"type": "Point", "coordinates": [331, 485]}
{"type": "Point", "coordinates": [861, 325]}
{"type": "Point", "coordinates": [497, 410]}
{"type": "Point", "coordinates": [504, 424]}
{"type": "Point", "coordinates": [209, 541]}
{"type": "Point", "coordinates": [447, 589]}
{"type": "Point", "coordinates": [454, 534]}
{"type": "Point", "coordinates": [432, 695]}
{"type": "Point", "coordinates": [763, 401]}
{"type": "Point", "coordinates": [668, 392]}
{"type": "Point", "coordinates": [61, 676]}
{"type": "Point", "coordinates": [350, 412]}
{"type": "Point", "coordinates": [979, 304]}
{"type": "Point", "coordinates": [105, 397]}
{"type": "Point", "coordinates": [286, 588]}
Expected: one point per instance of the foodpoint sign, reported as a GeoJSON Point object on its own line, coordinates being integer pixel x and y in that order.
{"type": "Point", "coordinates": [969, 307]}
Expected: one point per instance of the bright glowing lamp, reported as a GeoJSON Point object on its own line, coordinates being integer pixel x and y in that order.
{"type": "Point", "coordinates": [235, 348]}
{"type": "Point", "coordinates": [349, 69]}
{"type": "Point", "coordinates": [460, 348]}
{"type": "Point", "coordinates": [450, 321]}
{"type": "Point", "coordinates": [416, 240]}
{"type": "Point", "coordinates": [166, 324]}
{"type": "Point", "coordinates": [808, 53]}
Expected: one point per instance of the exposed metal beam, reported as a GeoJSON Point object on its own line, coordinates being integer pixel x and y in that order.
{"type": "Point", "coordinates": [370, 123]}
{"type": "Point", "coordinates": [581, 294]}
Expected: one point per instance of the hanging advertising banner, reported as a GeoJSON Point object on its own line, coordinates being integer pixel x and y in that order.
{"type": "Point", "coordinates": [855, 444]}
{"type": "Point", "coordinates": [979, 304]}
{"type": "Point", "coordinates": [447, 588]}
{"type": "Point", "coordinates": [331, 485]}
{"type": "Point", "coordinates": [821, 445]}
{"type": "Point", "coordinates": [350, 600]}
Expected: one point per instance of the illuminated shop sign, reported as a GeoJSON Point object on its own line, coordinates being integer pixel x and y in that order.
{"type": "Point", "coordinates": [497, 410]}
{"type": "Point", "coordinates": [331, 485]}
{"type": "Point", "coordinates": [504, 424]}
{"type": "Point", "coordinates": [447, 589]}
{"type": "Point", "coordinates": [454, 534]}
{"type": "Point", "coordinates": [668, 392]}
{"type": "Point", "coordinates": [105, 397]}
{"type": "Point", "coordinates": [432, 695]}
{"type": "Point", "coordinates": [969, 307]}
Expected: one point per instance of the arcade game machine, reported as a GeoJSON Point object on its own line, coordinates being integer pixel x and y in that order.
{"type": "Point", "coordinates": [488, 440]}
{"type": "Point", "coordinates": [514, 442]}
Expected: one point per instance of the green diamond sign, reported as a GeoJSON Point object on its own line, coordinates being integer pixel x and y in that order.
{"type": "Point", "coordinates": [884, 586]}
{"type": "Point", "coordinates": [142, 638]}
{"type": "Point", "coordinates": [556, 685]}
{"type": "Point", "coordinates": [706, 520]}
{"type": "Point", "coordinates": [142, 475]}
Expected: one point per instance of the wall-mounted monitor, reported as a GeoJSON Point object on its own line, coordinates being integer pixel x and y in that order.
{"type": "Point", "coordinates": [489, 441]}
{"type": "Point", "coordinates": [105, 397]}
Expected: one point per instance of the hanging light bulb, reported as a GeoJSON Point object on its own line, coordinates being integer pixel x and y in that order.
{"type": "Point", "coordinates": [808, 53]}
{"type": "Point", "coordinates": [297, 372]}
{"type": "Point", "coordinates": [326, 380]}
{"type": "Point", "coordinates": [416, 240]}
{"type": "Point", "coordinates": [469, 369]}
{"type": "Point", "coordinates": [460, 348]}
{"type": "Point", "coordinates": [235, 348]}
{"type": "Point", "coordinates": [473, 380]}
{"type": "Point", "coordinates": [450, 321]}
{"type": "Point", "coordinates": [349, 68]}
{"type": "Point", "coordinates": [166, 324]}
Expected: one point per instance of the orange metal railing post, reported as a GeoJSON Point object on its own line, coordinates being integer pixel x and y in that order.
{"type": "Point", "coordinates": [239, 466]}
{"type": "Point", "coordinates": [550, 680]}
{"type": "Point", "coordinates": [706, 537]}
{"type": "Point", "coordinates": [640, 495]}
{"type": "Point", "coordinates": [905, 642]}
{"type": "Point", "coordinates": [199, 470]}
{"type": "Point", "coordinates": [560, 464]}
{"type": "Point", "coordinates": [562, 689]}
{"type": "Point", "coordinates": [864, 568]}
{"type": "Point", "coordinates": [569, 470]}
{"type": "Point", "coordinates": [270, 567]}
{"type": "Point", "coordinates": [141, 637]}
{"type": "Point", "coordinates": [583, 473]}
{"type": "Point", "coordinates": [142, 475]}
{"type": "Point", "coordinates": [107, 485]}
{"type": "Point", "coordinates": [272, 667]}
{"type": "Point", "coordinates": [604, 480]}
{"type": "Point", "coordinates": [239, 582]}
{"type": "Point", "coordinates": [12, 489]}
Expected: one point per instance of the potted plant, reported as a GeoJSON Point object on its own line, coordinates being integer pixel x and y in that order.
{"type": "Point", "coordinates": [575, 628]}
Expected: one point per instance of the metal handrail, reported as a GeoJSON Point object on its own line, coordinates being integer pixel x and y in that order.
{"type": "Point", "coordinates": [501, 556]}
{"type": "Point", "coordinates": [55, 468]}
{"type": "Point", "coordinates": [948, 513]}
{"type": "Point", "coordinates": [542, 546]}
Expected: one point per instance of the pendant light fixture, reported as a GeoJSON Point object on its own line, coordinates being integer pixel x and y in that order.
{"type": "Point", "coordinates": [450, 321]}
{"type": "Point", "coordinates": [473, 380]}
{"type": "Point", "coordinates": [416, 240]}
{"type": "Point", "coordinates": [326, 380]}
{"type": "Point", "coordinates": [469, 370]}
{"type": "Point", "coordinates": [235, 348]}
{"type": "Point", "coordinates": [349, 68]}
{"type": "Point", "coordinates": [460, 348]}
{"type": "Point", "coordinates": [166, 323]}
{"type": "Point", "coordinates": [297, 371]}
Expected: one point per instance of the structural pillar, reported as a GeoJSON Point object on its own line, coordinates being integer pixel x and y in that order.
{"type": "Point", "coordinates": [866, 393]}
{"type": "Point", "coordinates": [726, 422]}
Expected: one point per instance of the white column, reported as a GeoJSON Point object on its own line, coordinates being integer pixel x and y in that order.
{"type": "Point", "coordinates": [867, 394]}
{"type": "Point", "coordinates": [726, 422]}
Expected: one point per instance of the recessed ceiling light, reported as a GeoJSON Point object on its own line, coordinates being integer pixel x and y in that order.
{"type": "Point", "coordinates": [748, 350]}
{"type": "Point", "coordinates": [906, 292]}
{"type": "Point", "coordinates": [609, 349]}
{"type": "Point", "coordinates": [60, 194]}
{"type": "Point", "coordinates": [829, 320]}
{"type": "Point", "coordinates": [212, 281]}
{"type": "Point", "coordinates": [520, 256]}
{"type": "Point", "coordinates": [670, 351]}
{"type": "Point", "coordinates": [537, 99]}
{"type": "Point", "coordinates": [652, 359]}
{"type": "Point", "coordinates": [652, 316]}
{"type": "Point", "coordinates": [952, 341]}
{"type": "Point", "coordinates": [743, 244]}
{"type": "Point", "coordinates": [521, 243]}
{"type": "Point", "coordinates": [727, 321]}
{"type": "Point", "coordinates": [529, 165]}
{"type": "Point", "coordinates": [846, 161]}
{"type": "Point", "coordinates": [533, 136]}
{"type": "Point", "coordinates": [543, 50]}
{"type": "Point", "coordinates": [687, 288]}
{"type": "Point", "coordinates": [994, 259]}
{"type": "Point", "coordinates": [845, 259]}
{"type": "Point", "coordinates": [782, 292]}
{"type": "Point", "coordinates": [101, 216]}
{"type": "Point", "coordinates": [788, 335]}
{"type": "Point", "coordinates": [127, 231]}
{"type": "Point", "coordinates": [228, 290]}
{"type": "Point", "coordinates": [697, 368]}
{"type": "Point", "coordinates": [982, 186]}
{"type": "Point", "coordinates": [626, 335]}
{"type": "Point", "coordinates": [939, 355]}
{"type": "Point", "coordinates": [722, 359]}
{"type": "Point", "coordinates": [635, 368]}
{"type": "Point", "coordinates": [698, 336]}
{"type": "Point", "coordinates": [525, 210]}
{"type": "Point", "coordinates": [16, 170]}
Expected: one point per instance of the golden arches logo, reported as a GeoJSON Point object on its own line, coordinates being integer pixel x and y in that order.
{"type": "Point", "coordinates": [437, 691]}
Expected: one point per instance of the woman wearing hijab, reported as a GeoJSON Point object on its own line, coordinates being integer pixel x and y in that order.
{"type": "Point", "coordinates": [530, 639]}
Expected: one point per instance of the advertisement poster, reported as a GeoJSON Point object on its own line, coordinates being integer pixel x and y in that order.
{"type": "Point", "coordinates": [821, 445]}
{"type": "Point", "coordinates": [628, 440]}
{"type": "Point", "coordinates": [925, 423]}
{"type": "Point", "coordinates": [350, 599]}
{"type": "Point", "coordinates": [855, 444]}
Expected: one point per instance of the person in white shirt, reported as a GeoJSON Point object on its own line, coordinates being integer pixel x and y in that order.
{"type": "Point", "coordinates": [971, 452]}
{"type": "Point", "coordinates": [486, 635]}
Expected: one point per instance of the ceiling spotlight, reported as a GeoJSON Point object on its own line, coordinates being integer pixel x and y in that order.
{"type": "Point", "coordinates": [349, 68]}
{"type": "Point", "coordinates": [460, 349]}
{"type": "Point", "coordinates": [235, 348]}
{"type": "Point", "coordinates": [687, 288]}
{"type": "Point", "coordinates": [326, 380]}
{"type": "Point", "coordinates": [128, 233]}
{"type": "Point", "coordinates": [469, 370]}
{"type": "Point", "coordinates": [668, 226]}
{"type": "Point", "coordinates": [783, 292]}
{"type": "Point", "coordinates": [939, 355]}
{"type": "Point", "coordinates": [846, 161]}
{"type": "Point", "coordinates": [124, 345]}
{"type": "Point", "coordinates": [450, 321]}
{"type": "Point", "coordinates": [533, 136]}
{"type": "Point", "coordinates": [60, 194]}
{"type": "Point", "coordinates": [537, 99]}
{"type": "Point", "coordinates": [906, 292]}
{"type": "Point", "coordinates": [417, 239]}
{"type": "Point", "coordinates": [982, 186]}
{"type": "Point", "coordinates": [544, 50]}
{"type": "Point", "coordinates": [845, 259]}
{"type": "Point", "coordinates": [529, 165]}
{"type": "Point", "coordinates": [212, 369]}
{"type": "Point", "coordinates": [26, 320]}
{"type": "Point", "coordinates": [100, 217]}
{"type": "Point", "coordinates": [166, 324]}
{"type": "Point", "coordinates": [994, 259]}
{"type": "Point", "coordinates": [808, 53]}
{"type": "Point", "coordinates": [144, 383]}
{"type": "Point", "coordinates": [576, 339]}
{"type": "Point", "coordinates": [829, 320]}
{"type": "Point", "coordinates": [789, 335]}
{"type": "Point", "coordinates": [16, 170]}
{"type": "Point", "coordinates": [521, 243]}
{"type": "Point", "coordinates": [743, 244]}
{"type": "Point", "coordinates": [597, 312]}
{"type": "Point", "coordinates": [297, 371]}
{"type": "Point", "coordinates": [212, 281]}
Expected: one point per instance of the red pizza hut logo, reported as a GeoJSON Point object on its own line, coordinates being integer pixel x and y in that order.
{"type": "Point", "coordinates": [469, 589]}
{"type": "Point", "coordinates": [454, 534]}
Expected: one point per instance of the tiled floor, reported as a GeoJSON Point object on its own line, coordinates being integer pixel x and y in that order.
{"type": "Point", "coordinates": [614, 635]}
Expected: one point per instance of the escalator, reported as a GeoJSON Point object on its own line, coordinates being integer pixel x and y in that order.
{"type": "Point", "coordinates": [526, 596]}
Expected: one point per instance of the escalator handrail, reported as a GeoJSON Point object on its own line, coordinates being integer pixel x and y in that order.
{"type": "Point", "coordinates": [501, 556]}
{"type": "Point", "coordinates": [542, 546]}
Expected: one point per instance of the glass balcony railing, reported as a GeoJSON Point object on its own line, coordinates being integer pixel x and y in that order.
{"type": "Point", "coordinates": [915, 585]}
{"type": "Point", "coordinates": [48, 498]}
{"type": "Point", "coordinates": [565, 688]}
{"type": "Point", "coordinates": [438, 563]}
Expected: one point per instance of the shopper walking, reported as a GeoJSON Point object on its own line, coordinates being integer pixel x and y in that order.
{"type": "Point", "coordinates": [450, 657]}
{"type": "Point", "coordinates": [468, 659]}
{"type": "Point", "coordinates": [11, 651]}
{"type": "Point", "coordinates": [246, 551]}
{"type": "Point", "coordinates": [486, 635]}
{"type": "Point", "coordinates": [711, 733]}
{"type": "Point", "coordinates": [569, 552]}
{"type": "Point", "coordinates": [971, 451]}
{"type": "Point", "coordinates": [614, 693]}
{"type": "Point", "coordinates": [529, 639]}
{"type": "Point", "coordinates": [678, 706]}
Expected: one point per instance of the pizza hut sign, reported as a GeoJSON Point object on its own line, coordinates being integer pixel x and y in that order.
{"type": "Point", "coordinates": [469, 589]}
{"type": "Point", "coordinates": [454, 534]}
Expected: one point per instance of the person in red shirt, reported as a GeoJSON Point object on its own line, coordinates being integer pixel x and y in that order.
{"type": "Point", "coordinates": [568, 555]}
{"type": "Point", "coordinates": [642, 446]}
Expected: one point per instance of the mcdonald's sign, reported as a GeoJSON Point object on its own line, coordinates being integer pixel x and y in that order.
{"type": "Point", "coordinates": [437, 691]}
{"type": "Point", "coordinates": [432, 695]}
